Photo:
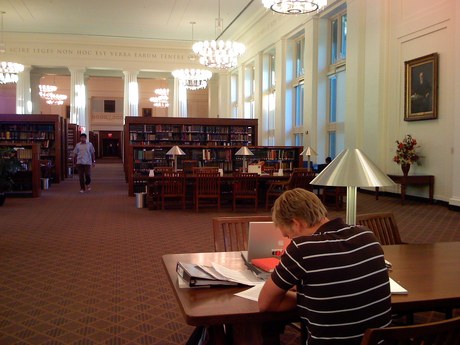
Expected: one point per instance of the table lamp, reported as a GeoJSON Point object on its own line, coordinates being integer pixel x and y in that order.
{"type": "Point", "coordinates": [308, 152]}
{"type": "Point", "coordinates": [352, 169]}
{"type": "Point", "coordinates": [175, 151]}
{"type": "Point", "coordinates": [244, 151]}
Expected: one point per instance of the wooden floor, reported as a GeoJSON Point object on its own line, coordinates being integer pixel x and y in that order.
{"type": "Point", "coordinates": [86, 268]}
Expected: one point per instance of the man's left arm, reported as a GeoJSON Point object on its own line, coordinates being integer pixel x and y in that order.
{"type": "Point", "coordinates": [273, 298]}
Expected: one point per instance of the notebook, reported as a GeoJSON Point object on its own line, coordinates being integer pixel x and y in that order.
{"type": "Point", "coordinates": [264, 241]}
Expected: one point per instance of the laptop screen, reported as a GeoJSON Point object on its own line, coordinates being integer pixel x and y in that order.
{"type": "Point", "coordinates": [264, 241]}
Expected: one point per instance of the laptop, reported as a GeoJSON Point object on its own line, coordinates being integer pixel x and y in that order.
{"type": "Point", "coordinates": [264, 241]}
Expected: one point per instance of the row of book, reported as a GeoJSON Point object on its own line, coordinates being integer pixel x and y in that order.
{"type": "Point", "coordinates": [11, 135]}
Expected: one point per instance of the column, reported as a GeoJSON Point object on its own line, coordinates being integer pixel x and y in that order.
{"type": "Point", "coordinates": [23, 97]}
{"type": "Point", "coordinates": [34, 96]}
{"type": "Point", "coordinates": [180, 99]}
{"type": "Point", "coordinates": [78, 113]}
{"type": "Point", "coordinates": [131, 94]}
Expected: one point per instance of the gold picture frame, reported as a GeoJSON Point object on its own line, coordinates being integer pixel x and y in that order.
{"type": "Point", "coordinates": [421, 88]}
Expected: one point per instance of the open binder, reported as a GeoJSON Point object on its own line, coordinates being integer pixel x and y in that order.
{"type": "Point", "coordinates": [202, 276]}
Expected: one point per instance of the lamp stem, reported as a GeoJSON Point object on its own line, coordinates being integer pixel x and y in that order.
{"type": "Point", "coordinates": [351, 205]}
{"type": "Point", "coordinates": [244, 164]}
{"type": "Point", "coordinates": [175, 163]}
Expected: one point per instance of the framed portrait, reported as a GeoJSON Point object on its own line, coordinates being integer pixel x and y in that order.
{"type": "Point", "coordinates": [147, 112]}
{"type": "Point", "coordinates": [421, 88]}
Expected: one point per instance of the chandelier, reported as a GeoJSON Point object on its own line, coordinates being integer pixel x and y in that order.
{"type": "Point", "coordinates": [8, 70]}
{"type": "Point", "coordinates": [294, 6]}
{"type": "Point", "coordinates": [219, 54]}
{"type": "Point", "coordinates": [48, 93]}
{"type": "Point", "coordinates": [55, 99]}
{"type": "Point", "coordinates": [161, 100]}
{"type": "Point", "coordinates": [193, 79]}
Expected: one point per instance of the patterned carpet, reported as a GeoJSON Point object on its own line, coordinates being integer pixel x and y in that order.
{"type": "Point", "coordinates": [86, 268]}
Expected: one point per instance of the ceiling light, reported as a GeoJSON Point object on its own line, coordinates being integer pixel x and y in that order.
{"type": "Point", "coordinates": [294, 6]}
{"type": "Point", "coordinates": [8, 70]}
{"type": "Point", "coordinates": [193, 79]}
{"type": "Point", "coordinates": [219, 54]}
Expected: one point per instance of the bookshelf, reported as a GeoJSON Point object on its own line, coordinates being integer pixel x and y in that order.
{"type": "Point", "coordinates": [44, 130]}
{"type": "Point", "coordinates": [28, 179]}
{"type": "Point", "coordinates": [143, 158]}
{"type": "Point", "coordinates": [73, 131]}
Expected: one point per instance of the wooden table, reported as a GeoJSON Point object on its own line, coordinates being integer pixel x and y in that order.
{"type": "Point", "coordinates": [430, 272]}
{"type": "Point", "coordinates": [404, 181]}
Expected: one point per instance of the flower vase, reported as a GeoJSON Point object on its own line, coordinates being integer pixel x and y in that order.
{"type": "Point", "coordinates": [405, 169]}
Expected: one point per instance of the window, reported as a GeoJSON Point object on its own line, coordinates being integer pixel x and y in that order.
{"type": "Point", "coordinates": [234, 94]}
{"type": "Point", "coordinates": [338, 38]}
{"type": "Point", "coordinates": [249, 90]}
{"type": "Point", "coordinates": [336, 84]}
{"type": "Point", "coordinates": [269, 98]}
{"type": "Point", "coordinates": [298, 91]}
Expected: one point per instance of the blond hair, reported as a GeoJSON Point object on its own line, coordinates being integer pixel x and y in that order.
{"type": "Point", "coordinates": [298, 204]}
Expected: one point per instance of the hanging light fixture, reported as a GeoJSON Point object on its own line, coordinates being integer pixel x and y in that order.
{"type": "Point", "coordinates": [8, 70]}
{"type": "Point", "coordinates": [161, 100]}
{"type": "Point", "coordinates": [56, 99]}
{"type": "Point", "coordinates": [46, 90]}
{"type": "Point", "coordinates": [191, 78]}
{"type": "Point", "coordinates": [219, 54]}
{"type": "Point", "coordinates": [294, 6]}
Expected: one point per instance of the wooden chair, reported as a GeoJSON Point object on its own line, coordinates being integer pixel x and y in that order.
{"type": "Point", "coordinates": [159, 171]}
{"type": "Point", "coordinates": [300, 178]}
{"type": "Point", "coordinates": [172, 187]}
{"type": "Point", "coordinates": [207, 187]}
{"type": "Point", "coordinates": [196, 170]}
{"type": "Point", "coordinates": [335, 193]}
{"type": "Point", "coordinates": [188, 165]}
{"type": "Point", "coordinates": [446, 332]}
{"type": "Point", "coordinates": [383, 225]}
{"type": "Point", "coordinates": [231, 233]}
{"type": "Point", "coordinates": [245, 187]}
{"type": "Point", "coordinates": [268, 169]}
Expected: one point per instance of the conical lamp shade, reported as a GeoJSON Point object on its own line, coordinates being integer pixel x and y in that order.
{"type": "Point", "coordinates": [175, 151]}
{"type": "Point", "coordinates": [352, 168]}
{"type": "Point", "coordinates": [244, 151]}
{"type": "Point", "coordinates": [309, 152]}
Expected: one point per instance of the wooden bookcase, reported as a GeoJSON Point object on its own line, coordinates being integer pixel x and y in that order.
{"type": "Point", "coordinates": [72, 137]}
{"type": "Point", "coordinates": [45, 130]}
{"type": "Point", "coordinates": [28, 179]}
{"type": "Point", "coordinates": [209, 141]}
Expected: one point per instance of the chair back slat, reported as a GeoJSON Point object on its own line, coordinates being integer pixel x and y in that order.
{"type": "Point", "coordinates": [245, 186]}
{"type": "Point", "coordinates": [383, 225]}
{"type": "Point", "coordinates": [207, 186]}
{"type": "Point", "coordinates": [231, 233]}
{"type": "Point", "coordinates": [445, 332]}
{"type": "Point", "coordinates": [173, 186]}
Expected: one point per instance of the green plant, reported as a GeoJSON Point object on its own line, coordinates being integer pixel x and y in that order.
{"type": "Point", "coordinates": [9, 164]}
{"type": "Point", "coordinates": [405, 151]}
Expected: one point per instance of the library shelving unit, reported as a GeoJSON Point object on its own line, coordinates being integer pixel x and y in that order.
{"type": "Point", "coordinates": [208, 141]}
{"type": "Point", "coordinates": [26, 180]}
{"type": "Point", "coordinates": [45, 130]}
{"type": "Point", "coordinates": [72, 136]}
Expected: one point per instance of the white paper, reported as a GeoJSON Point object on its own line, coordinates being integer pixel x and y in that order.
{"type": "Point", "coordinates": [252, 293]}
{"type": "Point", "coordinates": [246, 277]}
{"type": "Point", "coordinates": [396, 288]}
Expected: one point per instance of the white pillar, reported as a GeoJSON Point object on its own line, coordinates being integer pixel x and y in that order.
{"type": "Point", "coordinates": [23, 97]}
{"type": "Point", "coordinates": [180, 99]}
{"type": "Point", "coordinates": [35, 97]}
{"type": "Point", "coordinates": [78, 113]}
{"type": "Point", "coordinates": [131, 94]}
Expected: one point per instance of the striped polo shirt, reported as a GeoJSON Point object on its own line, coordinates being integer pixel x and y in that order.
{"type": "Point", "coordinates": [342, 282]}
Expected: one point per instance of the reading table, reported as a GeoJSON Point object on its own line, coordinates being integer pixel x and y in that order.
{"type": "Point", "coordinates": [430, 273]}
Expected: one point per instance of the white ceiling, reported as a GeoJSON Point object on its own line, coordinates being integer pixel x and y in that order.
{"type": "Point", "coordinates": [145, 19]}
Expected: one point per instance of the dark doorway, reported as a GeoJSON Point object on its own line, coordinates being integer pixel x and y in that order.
{"type": "Point", "coordinates": [111, 147]}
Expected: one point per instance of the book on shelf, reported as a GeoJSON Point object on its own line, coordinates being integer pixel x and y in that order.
{"type": "Point", "coordinates": [201, 276]}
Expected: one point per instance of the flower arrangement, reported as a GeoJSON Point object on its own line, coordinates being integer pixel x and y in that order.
{"type": "Point", "coordinates": [405, 151]}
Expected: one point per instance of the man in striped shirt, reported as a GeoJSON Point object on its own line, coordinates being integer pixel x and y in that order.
{"type": "Point", "coordinates": [342, 284]}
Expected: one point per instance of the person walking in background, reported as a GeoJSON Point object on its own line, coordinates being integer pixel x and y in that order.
{"type": "Point", "coordinates": [84, 158]}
